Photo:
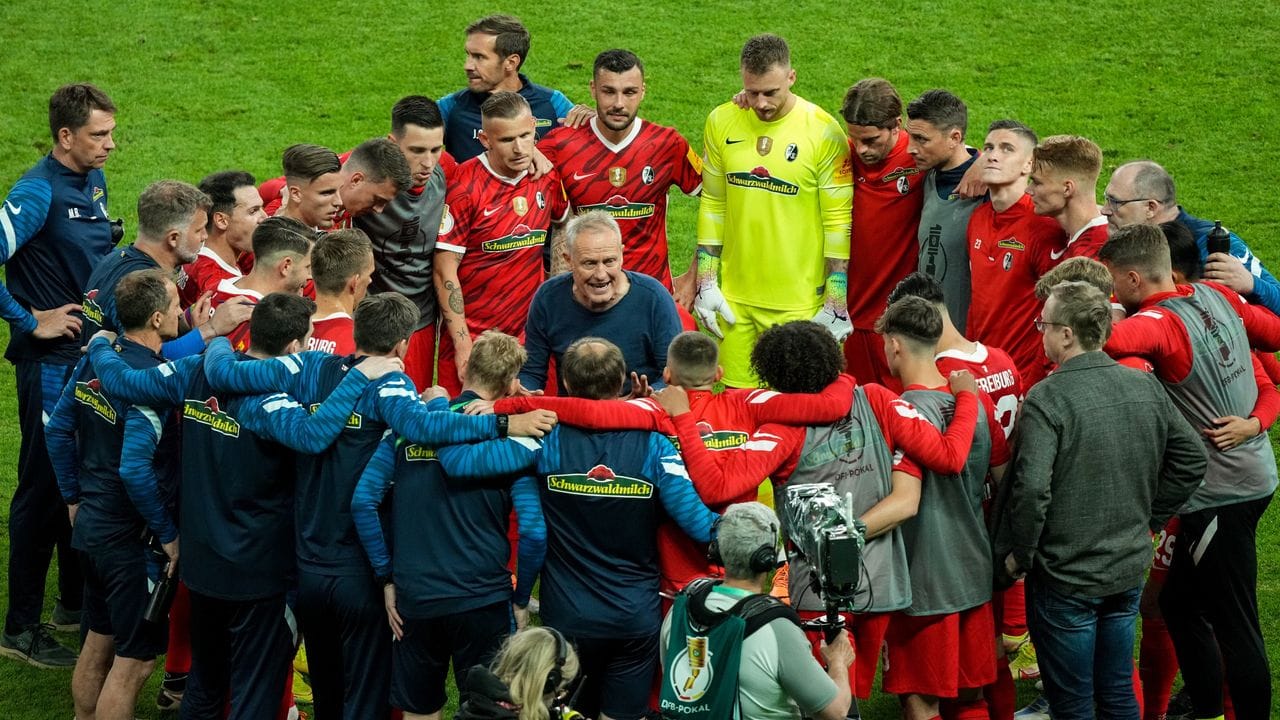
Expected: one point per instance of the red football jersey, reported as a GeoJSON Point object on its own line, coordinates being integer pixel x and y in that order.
{"type": "Point", "coordinates": [630, 181]}
{"type": "Point", "coordinates": [499, 225]}
{"type": "Point", "coordinates": [1008, 252]}
{"type": "Point", "coordinates": [883, 247]}
{"type": "Point", "coordinates": [1087, 241]}
{"type": "Point", "coordinates": [205, 274]}
{"type": "Point", "coordinates": [226, 290]}
{"type": "Point", "coordinates": [334, 334]}
{"type": "Point", "coordinates": [997, 376]}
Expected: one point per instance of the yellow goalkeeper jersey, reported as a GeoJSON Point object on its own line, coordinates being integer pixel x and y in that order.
{"type": "Point", "coordinates": [777, 197]}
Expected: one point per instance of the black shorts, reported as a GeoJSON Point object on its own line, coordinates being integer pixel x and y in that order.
{"type": "Point", "coordinates": [420, 661]}
{"type": "Point", "coordinates": [116, 591]}
{"type": "Point", "coordinates": [620, 675]}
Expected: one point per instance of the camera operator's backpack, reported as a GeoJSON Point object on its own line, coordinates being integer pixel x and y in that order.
{"type": "Point", "coordinates": [704, 649]}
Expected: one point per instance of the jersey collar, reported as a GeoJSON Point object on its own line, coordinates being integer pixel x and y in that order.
{"type": "Point", "coordinates": [978, 355]}
{"type": "Point", "coordinates": [229, 287]}
{"type": "Point", "coordinates": [216, 258]}
{"type": "Point", "coordinates": [1100, 220]}
{"type": "Point", "coordinates": [626, 141]}
{"type": "Point", "coordinates": [484, 160]}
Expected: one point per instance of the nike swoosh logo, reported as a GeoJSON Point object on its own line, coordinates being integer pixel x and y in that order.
{"type": "Point", "coordinates": [491, 211]}
{"type": "Point", "coordinates": [576, 176]}
{"type": "Point", "coordinates": [727, 141]}
{"type": "Point", "coordinates": [1055, 255]}
{"type": "Point", "coordinates": [13, 210]}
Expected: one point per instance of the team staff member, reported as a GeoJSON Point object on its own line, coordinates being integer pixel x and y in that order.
{"type": "Point", "coordinates": [112, 513]}
{"type": "Point", "coordinates": [496, 48]}
{"type": "Point", "coordinates": [773, 223]}
{"type": "Point", "coordinates": [624, 165]}
{"type": "Point", "coordinates": [235, 211]}
{"type": "Point", "coordinates": [55, 228]}
{"type": "Point", "coordinates": [603, 494]}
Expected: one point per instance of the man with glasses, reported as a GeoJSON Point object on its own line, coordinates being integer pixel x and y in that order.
{"type": "Point", "coordinates": [1143, 192]}
{"type": "Point", "coordinates": [1084, 559]}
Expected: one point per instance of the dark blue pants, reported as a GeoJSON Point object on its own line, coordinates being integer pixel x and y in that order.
{"type": "Point", "coordinates": [37, 516]}
{"type": "Point", "coordinates": [344, 625]}
{"type": "Point", "coordinates": [241, 649]}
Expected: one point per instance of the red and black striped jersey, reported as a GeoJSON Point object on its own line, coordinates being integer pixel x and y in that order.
{"type": "Point", "coordinates": [629, 180]}
{"type": "Point", "coordinates": [499, 226]}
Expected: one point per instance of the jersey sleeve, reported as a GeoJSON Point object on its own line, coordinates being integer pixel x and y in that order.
{"type": "Point", "coordinates": [1261, 324]}
{"type": "Point", "coordinates": [828, 406]}
{"type": "Point", "coordinates": [1267, 406]}
{"type": "Point", "coordinates": [835, 192]}
{"type": "Point", "coordinates": [561, 104]}
{"type": "Point", "coordinates": [531, 549]}
{"type": "Point", "coordinates": [1266, 289]}
{"type": "Point", "coordinates": [710, 229]}
{"type": "Point", "coordinates": [720, 477]}
{"type": "Point", "coordinates": [445, 104]}
{"type": "Point", "coordinates": [491, 458]}
{"type": "Point", "coordinates": [676, 492]}
{"type": "Point", "coordinates": [427, 423]}
{"type": "Point", "coordinates": [686, 165]}
{"type": "Point", "coordinates": [909, 431]}
{"type": "Point", "coordinates": [281, 418]}
{"type": "Point", "coordinates": [21, 217]}
{"type": "Point", "coordinates": [161, 386]}
{"type": "Point", "coordinates": [143, 430]}
{"type": "Point", "coordinates": [999, 446]}
{"type": "Point", "coordinates": [455, 224]}
{"type": "Point", "coordinates": [533, 375]}
{"type": "Point", "coordinates": [640, 414]}
{"type": "Point", "coordinates": [370, 490]}
{"type": "Point", "coordinates": [287, 373]}
{"type": "Point", "coordinates": [191, 343]}
{"type": "Point", "coordinates": [1157, 335]}
{"type": "Point", "coordinates": [559, 200]}
{"type": "Point", "coordinates": [60, 440]}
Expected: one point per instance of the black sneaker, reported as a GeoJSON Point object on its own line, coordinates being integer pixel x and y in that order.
{"type": "Point", "coordinates": [35, 645]}
{"type": "Point", "coordinates": [171, 690]}
{"type": "Point", "coordinates": [65, 620]}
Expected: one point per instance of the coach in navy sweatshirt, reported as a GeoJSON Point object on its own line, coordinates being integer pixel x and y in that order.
{"type": "Point", "coordinates": [597, 298]}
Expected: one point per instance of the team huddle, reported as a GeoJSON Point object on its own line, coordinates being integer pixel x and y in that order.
{"type": "Point", "coordinates": [324, 436]}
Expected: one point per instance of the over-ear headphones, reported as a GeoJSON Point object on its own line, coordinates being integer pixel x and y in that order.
{"type": "Point", "coordinates": [556, 675]}
{"type": "Point", "coordinates": [763, 559]}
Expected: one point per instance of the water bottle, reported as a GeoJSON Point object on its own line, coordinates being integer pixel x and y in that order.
{"type": "Point", "coordinates": [157, 610]}
{"type": "Point", "coordinates": [1219, 240]}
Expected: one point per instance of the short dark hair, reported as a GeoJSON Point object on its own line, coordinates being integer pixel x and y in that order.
{"type": "Point", "coordinates": [307, 162]}
{"type": "Point", "coordinates": [139, 295]}
{"type": "Point", "coordinates": [279, 319]}
{"type": "Point", "coordinates": [1016, 128]}
{"type": "Point", "coordinates": [594, 368]}
{"type": "Point", "coordinates": [800, 356]}
{"type": "Point", "coordinates": [510, 36]}
{"type": "Point", "coordinates": [872, 102]}
{"type": "Point", "coordinates": [417, 110]}
{"type": "Point", "coordinates": [941, 109]}
{"type": "Point", "coordinates": [1140, 247]}
{"type": "Point", "coordinates": [71, 105]}
{"type": "Point", "coordinates": [381, 160]}
{"type": "Point", "coordinates": [337, 256]}
{"type": "Point", "coordinates": [1184, 253]}
{"type": "Point", "coordinates": [914, 319]}
{"type": "Point", "coordinates": [383, 320]}
{"type": "Point", "coordinates": [279, 235]}
{"type": "Point", "coordinates": [763, 52]}
{"type": "Point", "coordinates": [504, 106]}
{"type": "Point", "coordinates": [168, 204]}
{"type": "Point", "coordinates": [692, 358]}
{"type": "Point", "coordinates": [221, 188]}
{"type": "Point", "coordinates": [918, 284]}
{"type": "Point", "coordinates": [616, 61]}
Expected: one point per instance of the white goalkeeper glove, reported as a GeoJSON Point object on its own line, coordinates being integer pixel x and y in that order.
{"type": "Point", "coordinates": [709, 301]}
{"type": "Point", "coordinates": [835, 323]}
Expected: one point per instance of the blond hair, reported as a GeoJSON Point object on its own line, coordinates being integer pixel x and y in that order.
{"type": "Point", "coordinates": [1070, 155]}
{"type": "Point", "coordinates": [1076, 269]}
{"type": "Point", "coordinates": [523, 664]}
{"type": "Point", "coordinates": [496, 359]}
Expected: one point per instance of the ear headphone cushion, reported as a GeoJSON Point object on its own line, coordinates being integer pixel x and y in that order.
{"type": "Point", "coordinates": [556, 674]}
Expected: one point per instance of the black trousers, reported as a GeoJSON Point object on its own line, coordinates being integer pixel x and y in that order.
{"type": "Point", "coordinates": [344, 625]}
{"type": "Point", "coordinates": [240, 648]}
{"type": "Point", "coordinates": [37, 516]}
{"type": "Point", "coordinates": [1210, 604]}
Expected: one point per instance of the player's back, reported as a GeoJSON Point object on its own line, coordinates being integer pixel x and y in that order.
{"type": "Point", "coordinates": [996, 375]}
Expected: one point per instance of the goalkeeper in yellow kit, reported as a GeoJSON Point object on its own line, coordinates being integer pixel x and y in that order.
{"type": "Point", "coordinates": [773, 224]}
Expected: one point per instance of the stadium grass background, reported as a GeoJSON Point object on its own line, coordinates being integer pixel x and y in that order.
{"type": "Point", "coordinates": [205, 86]}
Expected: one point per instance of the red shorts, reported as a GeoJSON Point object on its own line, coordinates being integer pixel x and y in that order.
{"type": "Point", "coordinates": [864, 359]}
{"type": "Point", "coordinates": [940, 655]}
{"type": "Point", "coordinates": [420, 360]}
{"type": "Point", "coordinates": [866, 630]}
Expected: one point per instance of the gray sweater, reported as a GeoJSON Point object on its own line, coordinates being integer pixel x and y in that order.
{"type": "Point", "coordinates": [1102, 457]}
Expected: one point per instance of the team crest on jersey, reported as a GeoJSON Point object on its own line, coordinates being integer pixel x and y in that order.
{"type": "Point", "coordinates": [791, 152]}
{"type": "Point", "coordinates": [600, 481]}
{"type": "Point", "coordinates": [90, 307]}
{"type": "Point", "coordinates": [692, 671]}
{"type": "Point", "coordinates": [904, 186]}
{"type": "Point", "coordinates": [446, 221]}
{"type": "Point", "coordinates": [764, 144]}
{"type": "Point", "coordinates": [89, 394]}
{"type": "Point", "coordinates": [420, 453]}
{"type": "Point", "coordinates": [520, 238]}
{"type": "Point", "coordinates": [760, 179]}
{"type": "Point", "coordinates": [520, 205]}
{"type": "Point", "coordinates": [1008, 261]}
{"type": "Point", "coordinates": [208, 412]}
{"type": "Point", "coordinates": [646, 175]}
{"type": "Point", "coordinates": [617, 176]}
{"type": "Point", "coordinates": [540, 199]}
{"type": "Point", "coordinates": [98, 193]}
{"type": "Point", "coordinates": [846, 442]}
{"type": "Point", "coordinates": [621, 208]}
{"type": "Point", "coordinates": [1011, 244]}
{"type": "Point", "coordinates": [354, 422]}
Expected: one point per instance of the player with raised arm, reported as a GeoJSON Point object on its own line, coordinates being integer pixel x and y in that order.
{"type": "Point", "coordinates": [773, 222]}
{"type": "Point", "coordinates": [492, 247]}
{"type": "Point", "coordinates": [1064, 186]}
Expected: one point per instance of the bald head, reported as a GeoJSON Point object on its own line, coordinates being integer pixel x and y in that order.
{"type": "Point", "coordinates": [1140, 192]}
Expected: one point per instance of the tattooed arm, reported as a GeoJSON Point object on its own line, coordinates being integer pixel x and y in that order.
{"type": "Point", "coordinates": [452, 307]}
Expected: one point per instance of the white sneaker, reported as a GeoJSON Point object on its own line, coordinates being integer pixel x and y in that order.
{"type": "Point", "coordinates": [1037, 710]}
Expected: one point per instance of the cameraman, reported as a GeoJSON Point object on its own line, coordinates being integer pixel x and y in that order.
{"type": "Point", "coordinates": [777, 674]}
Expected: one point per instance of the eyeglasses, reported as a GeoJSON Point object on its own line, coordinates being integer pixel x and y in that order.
{"type": "Point", "coordinates": [1112, 202]}
{"type": "Point", "coordinates": [1041, 323]}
